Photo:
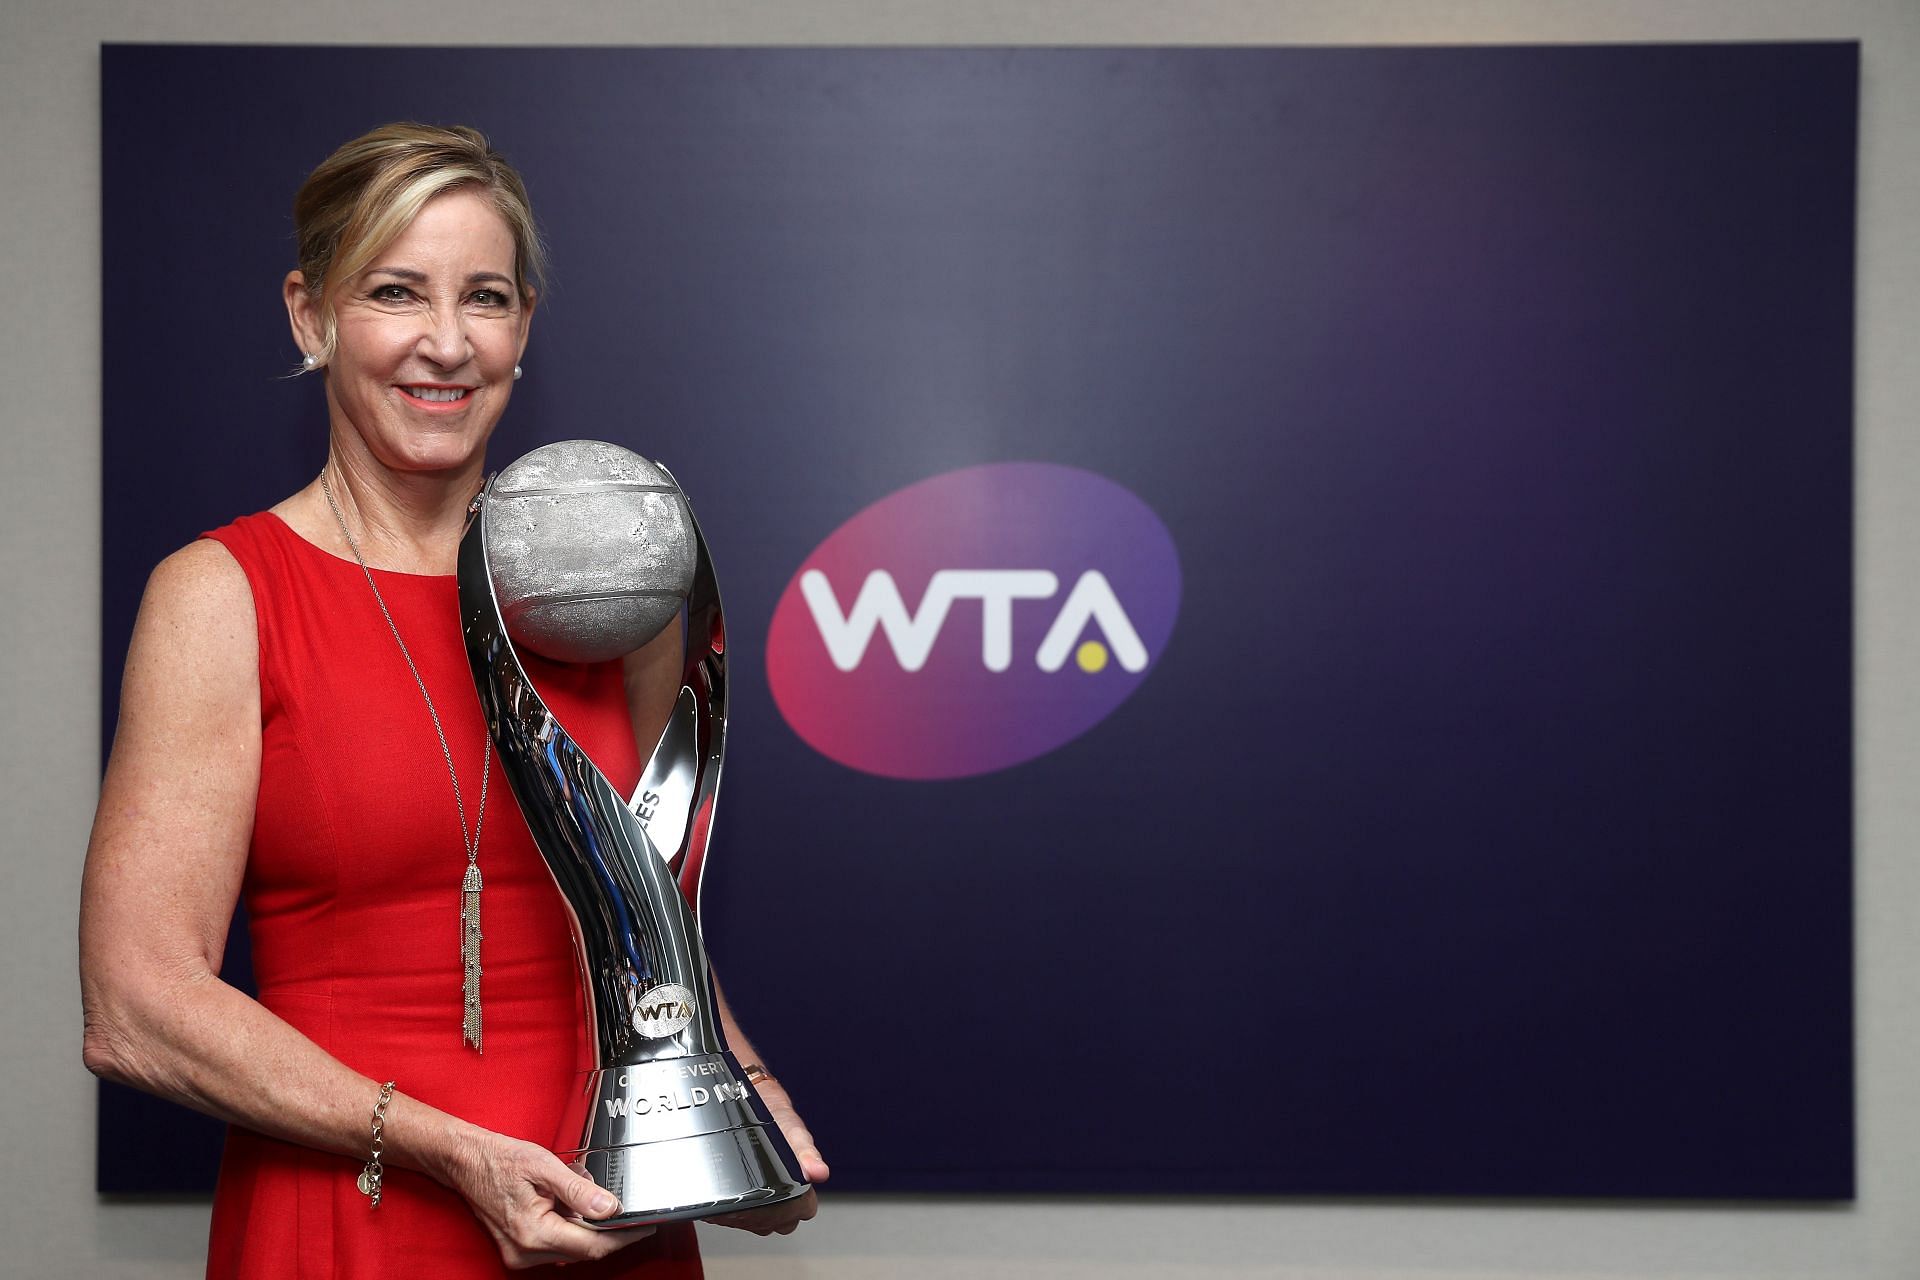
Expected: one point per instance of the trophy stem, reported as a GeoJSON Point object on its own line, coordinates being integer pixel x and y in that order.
{"type": "Point", "coordinates": [666, 1121]}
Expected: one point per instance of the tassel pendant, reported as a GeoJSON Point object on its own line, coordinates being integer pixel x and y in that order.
{"type": "Point", "coordinates": [470, 954]}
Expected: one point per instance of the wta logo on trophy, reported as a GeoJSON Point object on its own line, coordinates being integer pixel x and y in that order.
{"type": "Point", "coordinates": [973, 621]}
{"type": "Point", "coordinates": [662, 1011]}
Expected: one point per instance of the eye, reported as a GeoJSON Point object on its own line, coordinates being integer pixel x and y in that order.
{"type": "Point", "coordinates": [390, 293]}
{"type": "Point", "coordinates": [490, 298]}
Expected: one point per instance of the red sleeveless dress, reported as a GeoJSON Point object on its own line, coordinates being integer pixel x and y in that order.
{"type": "Point", "coordinates": [353, 898]}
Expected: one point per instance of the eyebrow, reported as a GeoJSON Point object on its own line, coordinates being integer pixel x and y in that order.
{"type": "Point", "coordinates": [419, 277]}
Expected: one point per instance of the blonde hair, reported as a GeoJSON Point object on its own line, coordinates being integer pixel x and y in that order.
{"type": "Point", "coordinates": [364, 195]}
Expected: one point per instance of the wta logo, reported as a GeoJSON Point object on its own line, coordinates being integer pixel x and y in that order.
{"type": "Point", "coordinates": [973, 621]}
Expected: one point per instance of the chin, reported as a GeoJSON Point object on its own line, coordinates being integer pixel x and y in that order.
{"type": "Point", "coordinates": [447, 461]}
{"type": "Point", "coordinates": [448, 451]}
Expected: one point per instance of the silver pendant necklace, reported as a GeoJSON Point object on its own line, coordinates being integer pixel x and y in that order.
{"type": "Point", "coordinates": [470, 883]}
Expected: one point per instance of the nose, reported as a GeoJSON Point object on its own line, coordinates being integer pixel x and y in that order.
{"type": "Point", "coordinates": [443, 339]}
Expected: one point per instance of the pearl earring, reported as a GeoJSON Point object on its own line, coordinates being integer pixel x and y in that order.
{"type": "Point", "coordinates": [516, 373]}
{"type": "Point", "coordinates": [308, 361]}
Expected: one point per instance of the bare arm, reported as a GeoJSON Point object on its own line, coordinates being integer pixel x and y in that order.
{"type": "Point", "coordinates": [163, 872]}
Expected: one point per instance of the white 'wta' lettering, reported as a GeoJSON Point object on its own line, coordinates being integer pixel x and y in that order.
{"type": "Point", "coordinates": [911, 635]}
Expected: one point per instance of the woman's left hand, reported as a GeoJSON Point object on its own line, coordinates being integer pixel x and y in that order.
{"type": "Point", "coordinates": [781, 1219]}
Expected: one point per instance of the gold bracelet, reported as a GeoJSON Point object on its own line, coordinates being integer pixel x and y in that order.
{"type": "Point", "coordinates": [369, 1180]}
{"type": "Point", "coordinates": [755, 1073]}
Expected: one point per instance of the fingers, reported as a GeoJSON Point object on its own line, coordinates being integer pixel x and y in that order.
{"type": "Point", "coordinates": [582, 1195]}
{"type": "Point", "coordinates": [584, 1198]}
{"type": "Point", "coordinates": [567, 1242]}
{"type": "Point", "coordinates": [777, 1219]}
{"type": "Point", "coordinates": [527, 1198]}
{"type": "Point", "coordinates": [563, 1242]}
{"type": "Point", "coordinates": [813, 1166]}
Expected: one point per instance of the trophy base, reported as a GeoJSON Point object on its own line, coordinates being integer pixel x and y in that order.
{"type": "Point", "coordinates": [694, 1177]}
{"type": "Point", "coordinates": [681, 1138]}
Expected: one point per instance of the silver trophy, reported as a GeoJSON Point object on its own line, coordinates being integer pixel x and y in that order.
{"type": "Point", "coordinates": [599, 541]}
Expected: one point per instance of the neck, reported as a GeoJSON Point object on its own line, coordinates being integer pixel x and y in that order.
{"type": "Point", "coordinates": [407, 521]}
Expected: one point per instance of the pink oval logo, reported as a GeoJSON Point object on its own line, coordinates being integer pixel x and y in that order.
{"type": "Point", "coordinates": [973, 621]}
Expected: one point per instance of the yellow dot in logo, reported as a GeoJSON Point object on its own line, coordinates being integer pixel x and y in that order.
{"type": "Point", "coordinates": [1092, 656]}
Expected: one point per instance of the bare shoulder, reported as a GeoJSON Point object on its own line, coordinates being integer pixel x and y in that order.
{"type": "Point", "coordinates": [202, 574]}
{"type": "Point", "coordinates": [197, 612]}
{"type": "Point", "coordinates": [192, 686]}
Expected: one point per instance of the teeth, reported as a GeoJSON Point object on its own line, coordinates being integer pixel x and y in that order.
{"type": "Point", "coordinates": [439, 395]}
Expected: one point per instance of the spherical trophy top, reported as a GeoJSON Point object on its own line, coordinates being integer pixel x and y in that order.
{"type": "Point", "coordinates": [591, 550]}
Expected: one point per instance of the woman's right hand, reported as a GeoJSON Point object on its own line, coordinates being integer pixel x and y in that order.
{"type": "Point", "coordinates": [525, 1197]}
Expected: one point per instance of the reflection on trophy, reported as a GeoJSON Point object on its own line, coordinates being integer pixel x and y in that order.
{"type": "Point", "coordinates": [583, 551]}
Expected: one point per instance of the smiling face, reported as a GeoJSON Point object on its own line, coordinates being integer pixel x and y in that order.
{"type": "Point", "coordinates": [427, 338]}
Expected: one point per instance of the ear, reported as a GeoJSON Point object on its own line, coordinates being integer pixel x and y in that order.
{"type": "Point", "coordinates": [303, 313]}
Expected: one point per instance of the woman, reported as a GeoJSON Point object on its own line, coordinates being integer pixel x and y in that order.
{"type": "Point", "coordinates": [298, 721]}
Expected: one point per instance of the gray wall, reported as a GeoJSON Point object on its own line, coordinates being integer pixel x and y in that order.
{"type": "Point", "coordinates": [51, 1224]}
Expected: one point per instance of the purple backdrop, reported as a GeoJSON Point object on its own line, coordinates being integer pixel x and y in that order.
{"type": "Point", "coordinates": [1481, 824]}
